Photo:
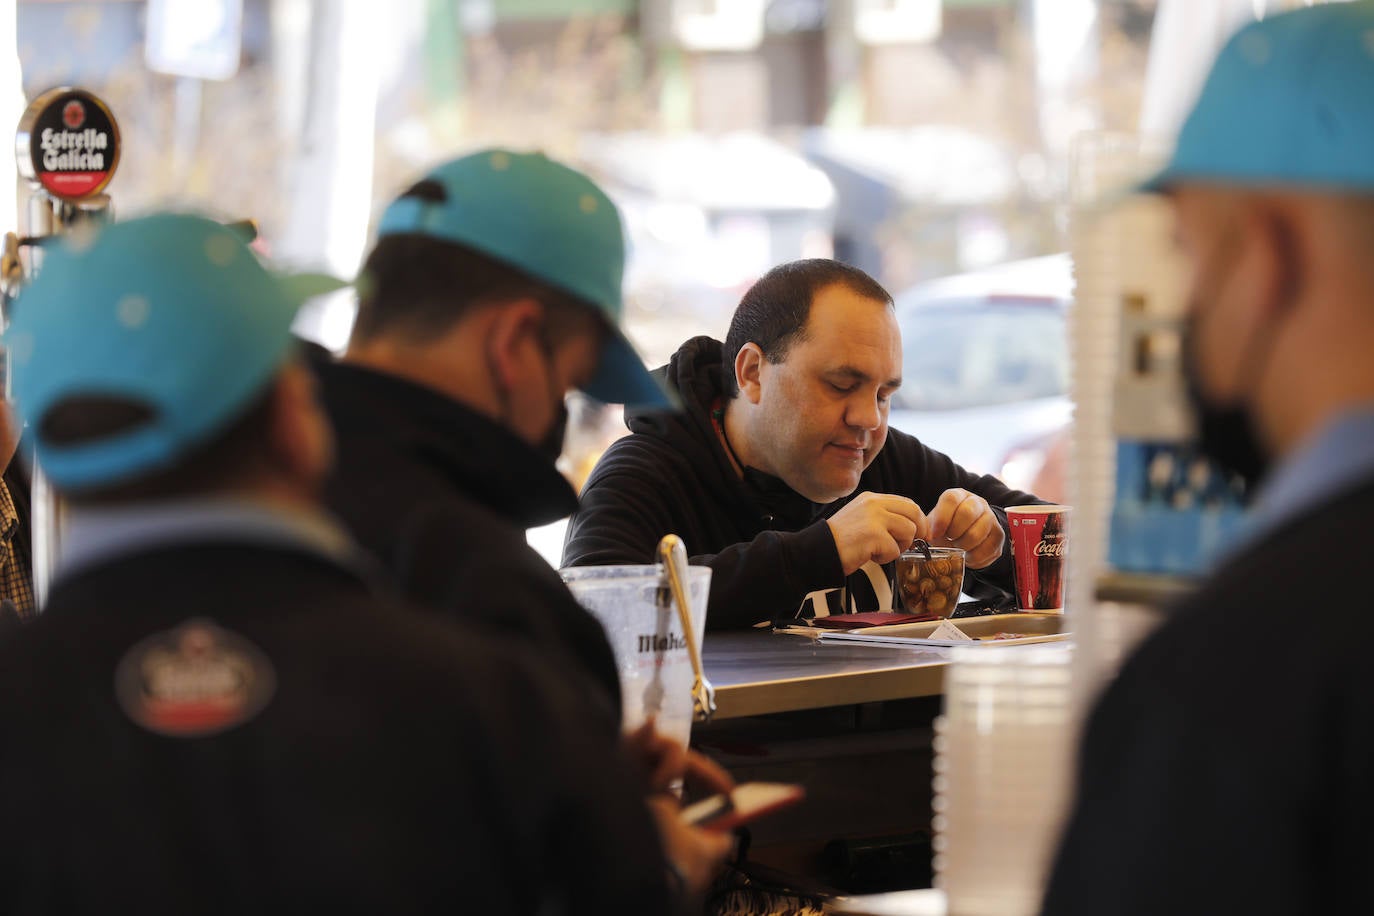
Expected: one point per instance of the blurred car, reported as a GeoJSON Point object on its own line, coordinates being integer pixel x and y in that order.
{"type": "Point", "coordinates": [705, 216]}
{"type": "Point", "coordinates": [986, 370]}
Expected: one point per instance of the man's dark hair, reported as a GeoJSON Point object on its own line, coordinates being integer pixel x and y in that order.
{"type": "Point", "coordinates": [208, 468]}
{"type": "Point", "coordinates": [773, 313]}
{"type": "Point", "coordinates": [415, 287]}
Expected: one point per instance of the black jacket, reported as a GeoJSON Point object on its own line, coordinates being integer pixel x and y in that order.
{"type": "Point", "coordinates": [396, 767]}
{"type": "Point", "coordinates": [1229, 768]}
{"type": "Point", "coordinates": [442, 496]}
{"type": "Point", "coordinates": [767, 545]}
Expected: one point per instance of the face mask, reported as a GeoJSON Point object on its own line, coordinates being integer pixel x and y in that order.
{"type": "Point", "coordinates": [1226, 432]}
{"type": "Point", "coordinates": [551, 445]}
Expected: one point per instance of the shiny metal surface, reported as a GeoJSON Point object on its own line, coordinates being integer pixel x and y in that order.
{"type": "Point", "coordinates": [929, 902]}
{"type": "Point", "coordinates": [672, 556]}
{"type": "Point", "coordinates": [758, 672]}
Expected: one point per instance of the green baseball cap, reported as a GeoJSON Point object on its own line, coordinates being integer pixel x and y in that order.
{"type": "Point", "coordinates": [548, 221]}
{"type": "Point", "coordinates": [1288, 102]}
{"type": "Point", "coordinates": [171, 312]}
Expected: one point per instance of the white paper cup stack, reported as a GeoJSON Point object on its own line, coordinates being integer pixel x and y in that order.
{"type": "Point", "coordinates": [1003, 756]}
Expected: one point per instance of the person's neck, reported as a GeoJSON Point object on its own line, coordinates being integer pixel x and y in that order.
{"type": "Point", "coordinates": [1295, 422]}
{"type": "Point", "coordinates": [733, 431]}
{"type": "Point", "coordinates": [274, 494]}
{"type": "Point", "coordinates": [433, 367]}
{"type": "Point", "coordinates": [1321, 369]}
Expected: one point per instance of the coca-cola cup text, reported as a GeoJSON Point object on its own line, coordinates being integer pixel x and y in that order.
{"type": "Point", "coordinates": [1039, 548]}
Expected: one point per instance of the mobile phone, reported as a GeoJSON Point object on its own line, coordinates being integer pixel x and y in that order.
{"type": "Point", "coordinates": [746, 802]}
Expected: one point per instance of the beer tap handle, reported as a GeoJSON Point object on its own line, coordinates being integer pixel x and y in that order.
{"type": "Point", "coordinates": [672, 554]}
{"type": "Point", "coordinates": [11, 273]}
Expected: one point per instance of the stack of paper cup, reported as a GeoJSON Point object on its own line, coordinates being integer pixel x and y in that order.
{"type": "Point", "coordinates": [1122, 259]}
{"type": "Point", "coordinates": [1003, 764]}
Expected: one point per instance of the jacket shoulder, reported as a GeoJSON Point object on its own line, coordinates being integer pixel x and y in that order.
{"type": "Point", "coordinates": [645, 456]}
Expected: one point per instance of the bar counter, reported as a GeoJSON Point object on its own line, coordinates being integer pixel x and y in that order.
{"type": "Point", "coordinates": [759, 672]}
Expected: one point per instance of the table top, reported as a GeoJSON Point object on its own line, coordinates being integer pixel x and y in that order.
{"type": "Point", "coordinates": [755, 672]}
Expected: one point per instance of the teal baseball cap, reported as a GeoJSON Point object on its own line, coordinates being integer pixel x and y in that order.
{"type": "Point", "coordinates": [548, 221]}
{"type": "Point", "coordinates": [172, 313]}
{"type": "Point", "coordinates": [1288, 102]}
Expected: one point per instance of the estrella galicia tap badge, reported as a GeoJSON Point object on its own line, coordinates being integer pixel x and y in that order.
{"type": "Point", "coordinates": [68, 142]}
{"type": "Point", "coordinates": [193, 681]}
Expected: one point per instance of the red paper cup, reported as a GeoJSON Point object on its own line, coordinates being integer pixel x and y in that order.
{"type": "Point", "coordinates": [1039, 549]}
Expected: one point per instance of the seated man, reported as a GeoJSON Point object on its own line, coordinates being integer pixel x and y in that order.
{"type": "Point", "coordinates": [215, 711]}
{"type": "Point", "coordinates": [782, 474]}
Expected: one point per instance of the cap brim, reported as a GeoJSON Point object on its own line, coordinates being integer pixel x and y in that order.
{"type": "Point", "coordinates": [1158, 183]}
{"type": "Point", "coordinates": [622, 379]}
{"type": "Point", "coordinates": [304, 286]}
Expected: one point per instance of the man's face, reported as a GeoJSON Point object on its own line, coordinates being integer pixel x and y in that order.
{"type": "Point", "coordinates": [303, 434]}
{"type": "Point", "coordinates": [568, 364]}
{"type": "Point", "coordinates": [823, 409]}
{"type": "Point", "coordinates": [1208, 252]}
{"type": "Point", "coordinates": [1210, 236]}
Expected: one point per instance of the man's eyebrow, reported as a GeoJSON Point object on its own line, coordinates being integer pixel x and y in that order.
{"type": "Point", "coordinates": [858, 375]}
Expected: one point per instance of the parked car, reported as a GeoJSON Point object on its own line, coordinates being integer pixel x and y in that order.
{"type": "Point", "coordinates": [986, 370]}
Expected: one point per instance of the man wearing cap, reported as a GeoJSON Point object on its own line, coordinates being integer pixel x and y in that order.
{"type": "Point", "coordinates": [215, 712]}
{"type": "Point", "coordinates": [493, 290]}
{"type": "Point", "coordinates": [1227, 768]}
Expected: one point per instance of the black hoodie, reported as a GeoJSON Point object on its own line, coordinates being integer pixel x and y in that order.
{"type": "Point", "coordinates": [442, 496]}
{"type": "Point", "coordinates": [768, 546]}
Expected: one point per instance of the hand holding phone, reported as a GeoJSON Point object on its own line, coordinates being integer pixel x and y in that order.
{"type": "Point", "coordinates": [746, 802]}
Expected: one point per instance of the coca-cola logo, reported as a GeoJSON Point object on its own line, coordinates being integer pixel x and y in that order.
{"type": "Point", "coordinates": [1049, 549]}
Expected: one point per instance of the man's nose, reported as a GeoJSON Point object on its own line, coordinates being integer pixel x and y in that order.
{"type": "Point", "coordinates": [864, 413]}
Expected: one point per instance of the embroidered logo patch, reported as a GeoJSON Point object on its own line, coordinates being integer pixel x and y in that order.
{"type": "Point", "coordinates": [196, 680]}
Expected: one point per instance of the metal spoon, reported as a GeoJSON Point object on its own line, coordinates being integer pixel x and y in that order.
{"type": "Point", "coordinates": [672, 553]}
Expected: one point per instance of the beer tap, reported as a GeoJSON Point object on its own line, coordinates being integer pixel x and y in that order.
{"type": "Point", "coordinates": [67, 148]}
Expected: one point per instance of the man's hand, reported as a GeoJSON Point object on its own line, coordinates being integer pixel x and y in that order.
{"type": "Point", "coordinates": [668, 763]}
{"type": "Point", "coordinates": [877, 527]}
{"type": "Point", "coordinates": [693, 853]}
{"type": "Point", "coordinates": [963, 519]}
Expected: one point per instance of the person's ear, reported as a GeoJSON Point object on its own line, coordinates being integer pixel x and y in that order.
{"type": "Point", "coordinates": [513, 327]}
{"type": "Point", "coordinates": [1275, 268]}
{"type": "Point", "coordinates": [748, 372]}
{"type": "Point", "coordinates": [302, 441]}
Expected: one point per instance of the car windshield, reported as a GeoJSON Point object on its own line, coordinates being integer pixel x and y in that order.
{"type": "Point", "coordinates": [975, 353]}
